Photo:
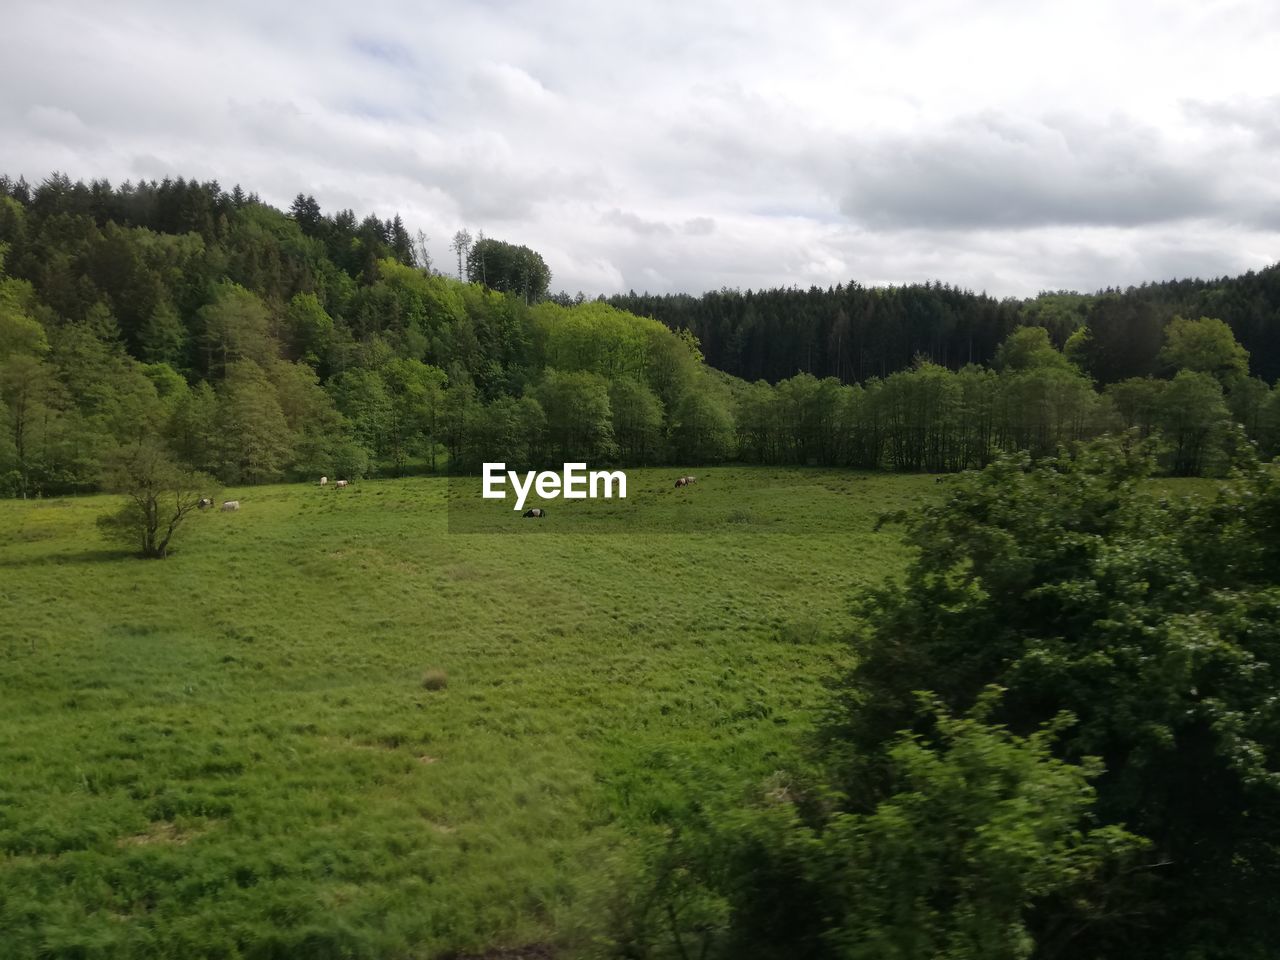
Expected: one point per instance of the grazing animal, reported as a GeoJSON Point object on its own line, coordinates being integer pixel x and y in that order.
{"type": "Point", "coordinates": [229, 505]}
{"type": "Point", "coordinates": [324, 481]}
{"type": "Point", "coordinates": [205, 503]}
{"type": "Point", "coordinates": [341, 483]}
{"type": "Point", "coordinates": [689, 480]}
{"type": "Point", "coordinates": [537, 513]}
{"type": "Point", "coordinates": [682, 482]}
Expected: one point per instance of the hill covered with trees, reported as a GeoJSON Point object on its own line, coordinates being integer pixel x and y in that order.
{"type": "Point", "coordinates": [257, 344]}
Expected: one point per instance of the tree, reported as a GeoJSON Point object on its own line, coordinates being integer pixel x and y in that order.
{"type": "Point", "coordinates": [235, 326]}
{"type": "Point", "coordinates": [421, 253]}
{"type": "Point", "coordinates": [1153, 622]}
{"type": "Point", "coordinates": [1192, 418]}
{"type": "Point", "coordinates": [31, 399]}
{"type": "Point", "coordinates": [702, 427]}
{"type": "Point", "coordinates": [163, 338]}
{"type": "Point", "coordinates": [415, 392]}
{"type": "Point", "coordinates": [362, 397]}
{"type": "Point", "coordinates": [579, 418]}
{"type": "Point", "coordinates": [255, 439]}
{"type": "Point", "coordinates": [979, 825]}
{"type": "Point", "coordinates": [637, 420]}
{"type": "Point", "coordinates": [160, 495]}
{"type": "Point", "coordinates": [1029, 348]}
{"type": "Point", "coordinates": [34, 407]}
{"type": "Point", "coordinates": [508, 268]}
{"type": "Point", "coordinates": [1204, 346]}
{"type": "Point", "coordinates": [192, 429]}
{"type": "Point", "coordinates": [308, 329]}
{"type": "Point", "coordinates": [1136, 402]}
{"type": "Point", "coordinates": [461, 245]}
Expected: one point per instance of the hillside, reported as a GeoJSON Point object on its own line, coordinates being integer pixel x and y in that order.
{"type": "Point", "coordinates": [256, 345]}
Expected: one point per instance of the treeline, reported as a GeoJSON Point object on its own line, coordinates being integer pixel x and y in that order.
{"type": "Point", "coordinates": [1032, 398]}
{"type": "Point", "coordinates": [262, 345]}
{"type": "Point", "coordinates": [852, 332]}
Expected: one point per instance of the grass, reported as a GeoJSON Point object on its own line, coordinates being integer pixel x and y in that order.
{"type": "Point", "coordinates": [328, 726]}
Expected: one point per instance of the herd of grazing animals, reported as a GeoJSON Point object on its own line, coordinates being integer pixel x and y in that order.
{"type": "Point", "coordinates": [229, 506]}
{"type": "Point", "coordinates": [536, 513]}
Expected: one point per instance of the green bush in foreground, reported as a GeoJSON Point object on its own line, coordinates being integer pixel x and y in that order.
{"type": "Point", "coordinates": [1148, 826]}
{"type": "Point", "coordinates": [979, 822]}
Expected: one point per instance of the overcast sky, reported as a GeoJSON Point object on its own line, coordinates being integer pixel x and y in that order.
{"type": "Point", "coordinates": [684, 146]}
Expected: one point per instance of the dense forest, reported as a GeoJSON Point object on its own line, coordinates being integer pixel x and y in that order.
{"type": "Point", "coordinates": [853, 332]}
{"type": "Point", "coordinates": [257, 344]}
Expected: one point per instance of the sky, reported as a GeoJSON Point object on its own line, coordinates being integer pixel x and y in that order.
{"type": "Point", "coordinates": [1001, 146]}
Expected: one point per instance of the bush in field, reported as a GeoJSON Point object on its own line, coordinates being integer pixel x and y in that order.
{"type": "Point", "coordinates": [159, 497]}
{"type": "Point", "coordinates": [1148, 826]}
{"type": "Point", "coordinates": [1155, 624]}
{"type": "Point", "coordinates": [978, 824]}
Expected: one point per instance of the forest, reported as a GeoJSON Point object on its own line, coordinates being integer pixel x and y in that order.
{"type": "Point", "coordinates": [852, 332]}
{"type": "Point", "coordinates": [257, 344]}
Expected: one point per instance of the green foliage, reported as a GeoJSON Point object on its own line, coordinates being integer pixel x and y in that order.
{"type": "Point", "coordinates": [637, 421]}
{"type": "Point", "coordinates": [1029, 348]}
{"type": "Point", "coordinates": [508, 268]}
{"type": "Point", "coordinates": [579, 417]}
{"type": "Point", "coordinates": [978, 826]}
{"type": "Point", "coordinates": [234, 326]}
{"type": "Point", "coordinates": [1153, 623]}
{"type": "Point", "coordinates": [855, 333]}
{"type": "Point", "coordinates": [1062, 314]}
{"type": "Point", "coordinates": [1207, 346]}
{"type": "Point", "coordinates": [702, 428]}
{"type": "Point", "coordinates": [160, 495]}
{"type": "Point", "coordinates": [309, 329]}
{"type": "Point", "coordinates": [1192, 416]}
{"type": "Point", "coordinates": [230, 752]}
{"type": "Point", "coordinates": [254, 439]}
{"type": "Point", "coordinates": [183, 274]}
{"type": "Point", "coordinates": [981, 824]}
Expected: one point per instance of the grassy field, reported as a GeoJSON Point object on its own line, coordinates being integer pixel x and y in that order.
{"type": "Point", "coordinates": [236, 752]}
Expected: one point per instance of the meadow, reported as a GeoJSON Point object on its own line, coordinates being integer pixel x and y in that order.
{"type": "Point", "coordinates": [333, 725]}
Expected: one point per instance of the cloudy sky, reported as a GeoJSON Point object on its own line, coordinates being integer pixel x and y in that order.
{"type": "Point", "coordinates": [666, 146]}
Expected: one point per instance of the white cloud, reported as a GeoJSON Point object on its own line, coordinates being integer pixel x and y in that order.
{"type": "Point", "coordinates": [677, 146]}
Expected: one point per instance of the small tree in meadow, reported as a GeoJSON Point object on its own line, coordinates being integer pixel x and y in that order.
{"type": "Point", "coordinates": [159, 496]}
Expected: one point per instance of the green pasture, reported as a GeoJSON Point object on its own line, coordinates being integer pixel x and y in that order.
{"type": "Point", "coordinates": [233, 753]}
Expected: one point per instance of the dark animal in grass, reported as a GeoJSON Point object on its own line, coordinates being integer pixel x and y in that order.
{"type": "Point", "coordinates": [682, 482]}
{"type": "Point", "coordinates": [205, 503]}
{"type": "Point", "coordinates": [537, 513]}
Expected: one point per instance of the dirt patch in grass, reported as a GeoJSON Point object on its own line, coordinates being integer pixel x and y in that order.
{"type": "Point", "coordinates": [162, 831]}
